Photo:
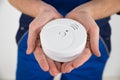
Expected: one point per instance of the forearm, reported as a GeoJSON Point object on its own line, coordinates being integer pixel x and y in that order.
{"type": "Point", "coordinates": [29, 7]}
{"type": "Point", "coordinates": [101, 8]}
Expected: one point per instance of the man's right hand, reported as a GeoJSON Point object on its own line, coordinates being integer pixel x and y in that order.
{"type": "Point", "coordinates": [47, 14]}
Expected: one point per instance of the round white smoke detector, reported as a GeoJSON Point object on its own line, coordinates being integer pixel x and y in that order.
{"type": "Point", "coordinates": [63, 39]}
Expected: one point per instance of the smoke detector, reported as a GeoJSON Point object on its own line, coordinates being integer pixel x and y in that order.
{"type": "Point", "coordinates": [63, 39]}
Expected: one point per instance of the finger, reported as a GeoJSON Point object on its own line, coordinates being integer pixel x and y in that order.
{"type": "Point", "coordinates": [93, 32]}
{"type": "Point", "coordinates": [91, 27]}
{"type": "Point", "coordinates": [34, 30]}
{"type": "Point", "coordinates": [67, 67]}
{"type": "Point", "coordinates": [58, 65]}
{"type": "Point", "coordinates": [53, 68]}
{"type": "Point", "coordinates": [35, 27]}
{"type": "Point", "coordinates": [41, 59]}
{"type": "Point", "coordinates": [94, 41]}
{"type": "Point", "coordinates": [63, 67]}
{"type": "Point", "coordinates": [86, 54]}
{"type": "Point", "coordinates": [31, 43]}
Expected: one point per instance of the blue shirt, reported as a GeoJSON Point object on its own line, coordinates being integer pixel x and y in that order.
{"type": "Point", "coordinates": [65, 6]}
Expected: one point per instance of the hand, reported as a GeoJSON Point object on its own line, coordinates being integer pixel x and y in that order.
{"type": "Point", "coordinates": [48, 13]}
{"type": "Point", "coordinates": [92, 39]}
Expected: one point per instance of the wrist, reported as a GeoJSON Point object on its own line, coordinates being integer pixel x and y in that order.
{"type": "Point", "coordinates": [89, 9]}
{"type": "Point", "coordinates": [41, 8]}
{"type": "Point", "coordinates": [81, 10]}
{"type": "Point", "coordinates": [45, 8]}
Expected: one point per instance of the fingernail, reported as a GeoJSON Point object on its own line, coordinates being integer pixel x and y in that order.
{"type": "Point", "coordinates": [27, 51]}
{"type": "Point", "coordinates": [99, 55]}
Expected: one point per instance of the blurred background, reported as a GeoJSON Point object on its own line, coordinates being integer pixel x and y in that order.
{"type": "Point", "coordinates": [9, 17]}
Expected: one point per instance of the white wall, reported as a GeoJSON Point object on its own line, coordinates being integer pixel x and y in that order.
{"type": "Point", "coordinates": [8, 49]}
{"type": "Point", "coordinates": [113, 65]}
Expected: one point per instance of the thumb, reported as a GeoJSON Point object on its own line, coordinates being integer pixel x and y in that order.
{"type": "Point", "coordinates": [32, 36]}
{"type": "Point", "coordinates": [94, 41]}
{"type": "Point", "coordinates": [31, 42]}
